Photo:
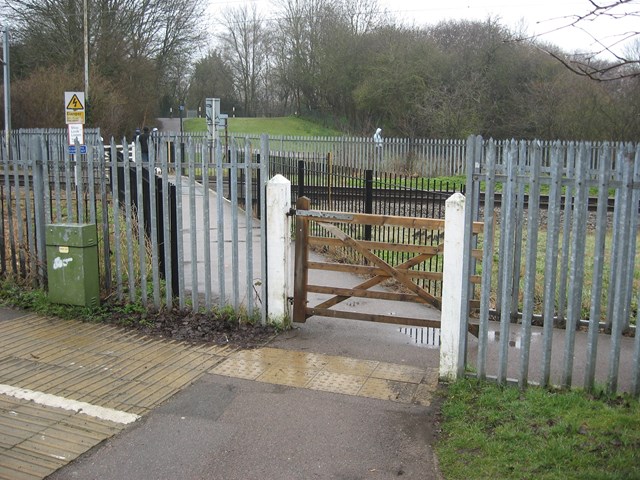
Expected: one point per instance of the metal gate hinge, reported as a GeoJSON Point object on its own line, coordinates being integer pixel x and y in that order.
{"type": "Point", "coordinates": [291, 212]}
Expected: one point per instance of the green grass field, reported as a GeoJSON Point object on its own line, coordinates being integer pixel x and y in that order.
{"type": "Point", "coordinates": [278, 126]}
{"type": "Point", "coordinates": [495, 432]}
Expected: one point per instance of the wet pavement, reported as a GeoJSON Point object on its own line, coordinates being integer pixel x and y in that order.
{"type": "Point", "coordinates": [65, 386]}
{"type": "Point", "coordinates": [126, 406]}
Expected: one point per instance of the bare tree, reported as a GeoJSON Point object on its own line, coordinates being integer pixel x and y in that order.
{"type": "Point", "coordinates": [140, 47]}
{"type": "Point", "coordinates": [592, 64]}
{"type": "Point", "coordinates": [245, 48]}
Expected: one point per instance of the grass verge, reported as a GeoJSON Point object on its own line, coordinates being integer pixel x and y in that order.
{"type": "Point", "coordinates": [277, 126]}
{"type": "Point", "coordinates": [496, 432]}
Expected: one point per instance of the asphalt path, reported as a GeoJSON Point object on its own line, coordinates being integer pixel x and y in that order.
{"type": "Point", "coordinates": [225, 428]}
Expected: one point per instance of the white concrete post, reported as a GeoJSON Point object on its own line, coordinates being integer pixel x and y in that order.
{"type": "Point", "coordinates": [452, 287]}
{"type": "Point", "coordinates": [279, 275]}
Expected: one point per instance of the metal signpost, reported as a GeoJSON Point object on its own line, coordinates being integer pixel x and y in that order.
{"type": "Point", "coordinates": [74, 117]}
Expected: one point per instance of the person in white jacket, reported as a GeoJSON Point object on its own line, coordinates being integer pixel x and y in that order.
{"type": "Point", "coordinates": [378, 138]}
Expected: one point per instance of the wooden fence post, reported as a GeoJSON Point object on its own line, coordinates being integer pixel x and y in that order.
{"type": "Point", "coordinates": [452, 279]}
{"type": "Point", "coordinates": [302, 259]}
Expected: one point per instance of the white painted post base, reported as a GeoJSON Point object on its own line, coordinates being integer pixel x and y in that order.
{"type": "Point", "coordinates": [452, 287]}
{"type": "Point", "coordinates": [278, 251]}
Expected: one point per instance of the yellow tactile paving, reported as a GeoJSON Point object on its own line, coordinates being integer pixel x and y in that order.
{"type": "Point", "coordinates": [113, 368]}
{"type": "Point", "coordinates": [402, 392]}
{"type": "Point", "coordinates": [337, 383]}
{"type": "Point", "coordinates": [351, 366]}
{"type": "Point", "coordinates": [240, 368]}
{"type": "Point", "coordinates": [291, 376]}
{"type": "Point", "coordinates": [42, 439]}
{"type": "Point", "coordinates": [99, 364]}
{"type": "Point", "coordinates": [401, 373]}
{"type": "Point", "coordinates": [349, 376]}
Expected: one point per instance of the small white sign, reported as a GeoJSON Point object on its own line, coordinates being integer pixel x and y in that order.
{"type": "Point", "coordinates": [76, 132]}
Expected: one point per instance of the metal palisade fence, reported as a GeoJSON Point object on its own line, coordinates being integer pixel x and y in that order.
{"type": "Point", "coordinates": [185, 227]}
{"type": "Point", "coordinates": [422, 157]}
{"type": "Point", "coordinates": [166, 239]}
{"type": "Point", "coordinates": [564, 280]}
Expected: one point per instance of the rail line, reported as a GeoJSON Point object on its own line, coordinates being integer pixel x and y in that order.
{"type": "Point", "coordinates": [343, 194]}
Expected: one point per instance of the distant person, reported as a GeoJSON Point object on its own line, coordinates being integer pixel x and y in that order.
{"type": "Point", "coordinates": [155, 140]}
{"type": "Point", "coordinates": [144, 144]}
{"type": "Point", "coordinates": [377, 138]}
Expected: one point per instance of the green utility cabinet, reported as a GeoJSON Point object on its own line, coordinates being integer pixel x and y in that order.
{"type": "Point", "coordinates": [72, 264]}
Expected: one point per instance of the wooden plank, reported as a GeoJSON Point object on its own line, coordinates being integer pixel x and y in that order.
{"type": "Point", "coordinates": [364, 293]}
{"type": "Point", "coordinates": [380, 220]}
{"type": "Point", "coordinates": [477, 254]}
{"type": "Point", "coordinates": [341, 298]}
{"type": "Point", "coordinates": [417, 322]}
{"type": "Point", "coordinates": [371, 270]}
{"type": "Point", "coordinates": [431, 250]}
{"type": "Point", "coordinates": [373, 281]}
{"type": "Point", "coordinates": [393, 247]}
{"type": "Point", "coordinates": [372, 219]}
{"type": "Point", "coordinates": [401, 277]}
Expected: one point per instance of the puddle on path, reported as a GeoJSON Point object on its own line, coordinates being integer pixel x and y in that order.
{"type": "Point", "coordinates": [428, 337]}
{"type": "Point", "coordinates": [515, 342]}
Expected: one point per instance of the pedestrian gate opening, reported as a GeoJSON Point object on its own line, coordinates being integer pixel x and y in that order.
{"type": "Point", "coordinates": [367, 240]}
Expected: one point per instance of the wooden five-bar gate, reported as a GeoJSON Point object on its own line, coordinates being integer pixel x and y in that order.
{"type": "Point", "coordinates": [413, 276]}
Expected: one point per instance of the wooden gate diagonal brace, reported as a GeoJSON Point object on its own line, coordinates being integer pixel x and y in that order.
{"type": "Point", "coordinates": [401, 277]}
{"type": "Point", "coordinates": [372, 282]}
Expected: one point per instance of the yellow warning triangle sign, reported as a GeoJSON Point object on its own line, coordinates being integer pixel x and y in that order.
{"type": "Point", "coordinates": [75, 103]}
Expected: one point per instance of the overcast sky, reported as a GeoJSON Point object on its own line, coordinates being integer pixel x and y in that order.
{"type": "Point", "coordinates": [538, 16]}
{"type": "Point", "coordinates": [544, 17]}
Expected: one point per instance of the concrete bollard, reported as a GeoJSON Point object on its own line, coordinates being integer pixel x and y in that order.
{"type": "Point", "coordinates": [452, 287]}
{"type": "Point", "coordinates": [278, 273]}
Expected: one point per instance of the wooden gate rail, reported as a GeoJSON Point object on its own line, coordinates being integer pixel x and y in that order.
{"type": "Point", "coordinates": [378, 269]}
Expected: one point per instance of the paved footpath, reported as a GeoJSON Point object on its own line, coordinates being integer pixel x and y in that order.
{"type": "Point", "coordinates": [325, 400]}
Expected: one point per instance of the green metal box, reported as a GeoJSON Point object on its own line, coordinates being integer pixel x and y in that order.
{"type": "Point", "coordinates": [72, 264]}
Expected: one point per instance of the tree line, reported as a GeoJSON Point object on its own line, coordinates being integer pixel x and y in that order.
{"type": "Point", "coordinates": [347, 63]}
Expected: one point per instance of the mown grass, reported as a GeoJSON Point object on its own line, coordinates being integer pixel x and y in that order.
{"type": "Point", "coordinates": [540, 283]}
{"type": "Point", "coordinates": [279, 126]}
{"type": "Point", "coordinates": [496, 432]}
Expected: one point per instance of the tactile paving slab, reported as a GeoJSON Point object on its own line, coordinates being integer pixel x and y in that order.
{"type": "Point", "coordinates": [336, 374]}
{"type": "Point", "coordinates": [112, 368]}
{"type": "Point", "coordinates": [74, 363]}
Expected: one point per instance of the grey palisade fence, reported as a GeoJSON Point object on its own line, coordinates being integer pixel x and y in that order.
{"type": "Point", "coordinates": [563, 283]}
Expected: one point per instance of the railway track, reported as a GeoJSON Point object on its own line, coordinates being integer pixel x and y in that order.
{"type": "Point", "coordinates": [346, 194]}
{"type": "Point", "coordinates": [381, 194]}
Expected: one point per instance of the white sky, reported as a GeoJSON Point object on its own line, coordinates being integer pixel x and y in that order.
{"type": "Point", "coordinates": [537, 16]}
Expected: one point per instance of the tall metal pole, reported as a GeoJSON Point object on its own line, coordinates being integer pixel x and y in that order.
{"type": "Point", "coordinates": [86, 56]}
{"type": "Point", "coordinates": [7, 90]}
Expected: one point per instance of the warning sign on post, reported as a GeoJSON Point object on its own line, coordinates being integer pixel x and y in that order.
{"type": "Point", "coordinates": [76, 134]}
{"type": "Point", "coordinates": [74, 107]}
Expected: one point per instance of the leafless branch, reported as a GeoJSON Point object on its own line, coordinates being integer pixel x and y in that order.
{"type": "Point", "coordinates": [587, 64]}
